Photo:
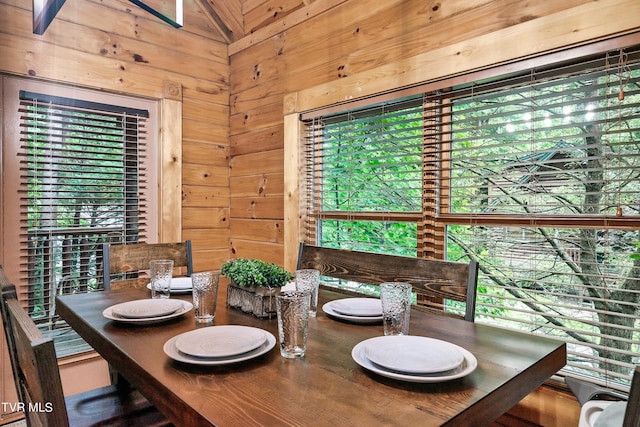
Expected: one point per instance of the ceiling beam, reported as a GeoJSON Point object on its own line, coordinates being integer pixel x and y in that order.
{"type": "Point", "coordinates": [210, 11]}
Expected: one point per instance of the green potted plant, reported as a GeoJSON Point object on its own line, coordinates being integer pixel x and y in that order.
{"type": "Point", "coordinates": [254, 284]}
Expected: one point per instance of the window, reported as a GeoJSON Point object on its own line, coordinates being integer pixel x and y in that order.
{"type": "Point", "coordinates": [535, 175]}
{"type": "Point", "coordinates": [81, 180]}
{"type": "Point", "coordinates": [367, 195]}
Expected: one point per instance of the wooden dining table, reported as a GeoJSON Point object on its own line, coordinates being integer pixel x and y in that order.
{"type": "Point", "coordinates": [326, 387]}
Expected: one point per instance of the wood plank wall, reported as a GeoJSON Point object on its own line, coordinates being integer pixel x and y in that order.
{"type": "Point", "coordinates": [116, 46]}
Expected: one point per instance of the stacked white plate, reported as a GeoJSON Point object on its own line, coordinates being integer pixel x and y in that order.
{"type": "Point", "coordinates": [219, 345]}
{"type": "Point", "coordinates": [413, 358]}
{"type": "Point", "coordinates": [179, 285]}
{"type": "Point", "coordinates": [357, 310]}
{"type": "Point", "coordinates": [147, 311]}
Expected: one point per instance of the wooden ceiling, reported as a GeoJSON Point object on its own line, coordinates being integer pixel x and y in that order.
{"type": "Point", "coordinates": [236, 19]}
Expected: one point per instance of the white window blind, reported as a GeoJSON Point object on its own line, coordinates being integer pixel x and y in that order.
{"type": "Point", "coordinates": [544, 170]}
{"type": "Point", "coordinates": [536, 175]}
{"type": "Point", "coordinates": [81, 185]}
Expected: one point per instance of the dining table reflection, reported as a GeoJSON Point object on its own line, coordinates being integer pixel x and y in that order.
{"type": "Point", "coordinates": [330, 385]}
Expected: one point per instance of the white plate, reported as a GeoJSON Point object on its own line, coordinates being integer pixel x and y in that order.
{"type": "Point", "coordinates": [179, 285]}
{"type": "Point", "coordinates": [412, 354]}
{"type": "Point", "coordinates": [360, 307]}
{"type": "Point", "coordinates": [220, 341]}
{"type": "Point", "coordinates": [146, 308]}
{"type": "Point", "coordinates": [469, 365]}
{"type": "Point", "coordinates": [172, 351]}
{"type": "Point", "coordinates": [327, 308]}
{"type": "Point", "coordinates": [186, 307]}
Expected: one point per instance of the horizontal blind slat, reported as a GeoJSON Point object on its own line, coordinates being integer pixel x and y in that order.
{"type": "Point", "coordinates": [552, 150]}
{"type": "Point", "coordinates": [81, 186]}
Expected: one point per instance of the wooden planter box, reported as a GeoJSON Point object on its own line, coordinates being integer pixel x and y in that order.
{"type": "Point", "coordinates": [259, 301]}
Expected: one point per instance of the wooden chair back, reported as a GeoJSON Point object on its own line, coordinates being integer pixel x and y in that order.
{"type": "Point", "coordinates": [37, 379]}
{"type": "Point", "coordinates": [11, 350]}
{"type": "Point", "coordinates": [34, 364]}
{"type": "Point", "coordinates": [434, 281]}
{"type": "Point", "coordinates": [632, 413]}
{"type": "Point", "coordinates": [132, 262]}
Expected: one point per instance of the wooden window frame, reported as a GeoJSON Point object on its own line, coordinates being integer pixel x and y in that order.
{"type": "Point", "coordinates": [165, 152]}
{"type": "Point", "coordinates": [428, 71]}
{"type": "Point", "coordinates": [306, 104]}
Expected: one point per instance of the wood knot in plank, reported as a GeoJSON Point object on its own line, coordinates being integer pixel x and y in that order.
{"type": "Point", "coordinates": [139, 58]}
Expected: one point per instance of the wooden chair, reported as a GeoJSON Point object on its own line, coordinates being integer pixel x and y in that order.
{"type": "Point", "coordinates": [37, 377]}
{"type": "Point", "coordinates": [433, 280]}
{"type": "Point", "coordinates": [596, 401]}
{"type": "Point", "coordinates": [132, 262]}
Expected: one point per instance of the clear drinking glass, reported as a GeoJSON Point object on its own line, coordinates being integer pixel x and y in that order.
{"type": "Point", "coordinates": [293, 323]}
{"type": "Point", "coordinates": [160, 272]}
{"type": "Point", "coordinates": [205, 295]}
{"type": "Point", "coordinates": [308, 280]}
{"type": "Point", "coordinates": [396, 307]}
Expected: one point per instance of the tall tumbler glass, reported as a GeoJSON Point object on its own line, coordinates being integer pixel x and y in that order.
{"type": "Point", "coordinates": [308, 280]}
{"type": "Point", "coordinates": [205, 295]}
{"type": "Point", "coordinates": [396, 307]}
{"type": "Point", "coordinates": [160, 271]}
{"type": "Point", "coordinates": [293, 323]}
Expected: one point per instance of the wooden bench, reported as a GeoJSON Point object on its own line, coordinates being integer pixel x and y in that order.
{"type": "Point", "coordinates": [434, 281]}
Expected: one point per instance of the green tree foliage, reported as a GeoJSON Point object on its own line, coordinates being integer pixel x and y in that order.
{"type": "Point", "coordinates": [372, 166]}
{"type": "Point", "coordinates": [565, 148]}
